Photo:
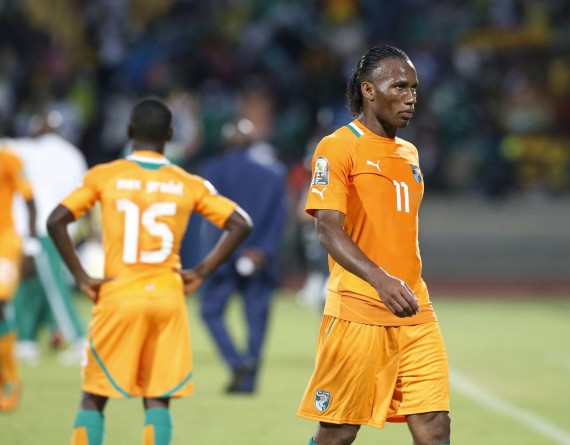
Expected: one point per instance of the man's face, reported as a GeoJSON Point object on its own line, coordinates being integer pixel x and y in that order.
{"type": "Point", "coordinates": [391, 92]}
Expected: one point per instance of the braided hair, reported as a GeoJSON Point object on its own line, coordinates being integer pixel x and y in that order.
{"type": "Point", "coordinates": [364, 68]}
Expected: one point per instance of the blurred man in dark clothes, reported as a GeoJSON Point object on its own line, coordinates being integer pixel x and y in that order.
{"type": "Point", "coordinates": [248, 173]}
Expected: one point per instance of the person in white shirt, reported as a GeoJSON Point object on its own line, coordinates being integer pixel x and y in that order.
{"type": "Point", "coordinates": [54, 167]}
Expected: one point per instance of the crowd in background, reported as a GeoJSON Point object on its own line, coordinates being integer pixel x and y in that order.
{"type": "Point", "coordinates": [494, 95]}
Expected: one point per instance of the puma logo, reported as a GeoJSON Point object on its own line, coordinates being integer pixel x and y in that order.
{"type": "Point", "coordinates": [377, 165]}
{"type": "Point", "coordinates": [319, 192]}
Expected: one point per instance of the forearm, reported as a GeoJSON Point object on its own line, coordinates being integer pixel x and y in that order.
{"type": "Point", "coordinates": [236, 230]}
{"type": "Point", "coordinates": [57, 229]}
{"type": "Point", "coordinates": [348, 255]}
{"type": "Point", "coordinates": [32, 215]}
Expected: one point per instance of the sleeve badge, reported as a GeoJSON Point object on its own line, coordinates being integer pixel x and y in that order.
{"type": "Point", "coordinates": [321, 175]}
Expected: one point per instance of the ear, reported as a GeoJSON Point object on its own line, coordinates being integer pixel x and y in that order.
{"type": "Point", "coordinates": [367, 90]}
{"type": "Point", "coordinates": [169, 134]}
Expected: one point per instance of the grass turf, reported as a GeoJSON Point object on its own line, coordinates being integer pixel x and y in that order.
{"type": "Point", "coordinates": [516, 349]}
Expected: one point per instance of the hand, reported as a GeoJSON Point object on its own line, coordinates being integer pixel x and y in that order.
{"type": "Point", "coordinates": [257, 256]}
{"type": "Point", "coordinates": [192, 280]}
{"type": "Point", "coordinates": [91, 286]}
{"type": "Point", "coordinates": [397, 296]}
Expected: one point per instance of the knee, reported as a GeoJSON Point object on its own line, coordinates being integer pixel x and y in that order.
{"type": "Point", "coordinates": [332, 434]}
{"type": "Point", "coordinates": [211, 311]}
{"type": "Point", "coordinates": [431, 428]}
{"type": "Point", "coordinates": [442, 427]}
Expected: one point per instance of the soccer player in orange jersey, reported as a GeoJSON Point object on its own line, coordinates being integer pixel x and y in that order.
{"type": "Point", "coordinates": [139, 339]}
{"type": "Point", "coordinates": [380, 353]}
{"type": "Point", "coordinates": [12, 181]}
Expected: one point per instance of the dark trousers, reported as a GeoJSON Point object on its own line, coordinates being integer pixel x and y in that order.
{"type": "Point", "coordinates": [256, 292]}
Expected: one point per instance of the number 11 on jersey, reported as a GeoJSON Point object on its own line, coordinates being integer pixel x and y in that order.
{"type": "Point", "coordinates": [402, 188]}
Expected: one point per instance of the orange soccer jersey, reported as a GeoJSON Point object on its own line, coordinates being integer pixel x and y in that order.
{"type": "Point", "coordinates": [145, 205]}
{"type": "Point", "coordinates": [377, 183]}
{"type": "Point", "coordinates": [139, 338]}
{"type": "Point", "coordinates": [11, 181]}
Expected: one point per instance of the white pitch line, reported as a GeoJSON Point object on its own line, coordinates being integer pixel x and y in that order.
{"type": "Point", "coordinates": [469, 388]}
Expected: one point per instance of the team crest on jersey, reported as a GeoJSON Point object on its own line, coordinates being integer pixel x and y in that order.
{"type": "Point", "coordinates": [322, 400]}
{"type": "Point", "coordinates": [321, 176]}
{"type": "Point", "coordinates": [417, 173]}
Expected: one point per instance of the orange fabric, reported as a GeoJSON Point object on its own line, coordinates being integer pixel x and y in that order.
{"type": "Point", "coordinates": [410, 376]}
{"type": "Point", "coordinates": [376, 182]}
{"type": "Point", "coordinates": [139, 345]}
{"type": "Point", "coordinates": [79, 436]}
{"type": "Point", "coordinates": [148, 435]}
{"type": "Point", "coordinates": [8, 363]}
{"type": "Point", "coordinates": [144, 217]}
{"type": "Point", "coordinates": [10, 263]}
{"type": "Point", "coordinates": [12, 181]}
{"type": "Point", "coordinates": [139, 337]}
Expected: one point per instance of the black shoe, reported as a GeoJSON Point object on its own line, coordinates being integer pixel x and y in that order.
{"type": "Point", "coordinates": [242, 380]}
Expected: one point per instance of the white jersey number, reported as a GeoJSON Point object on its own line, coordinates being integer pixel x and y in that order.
{"type": "Point", "coordinates": [148, 220]}
{"type": "Point", "coordinates": [402, 189]}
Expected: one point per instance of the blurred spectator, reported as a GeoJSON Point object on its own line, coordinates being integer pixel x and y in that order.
{"type": "Point", "coordinates": [495, 76]}
{"type": "Point", "coordinates": [249, 174]}
{"type": "Point", "coordinates": [55, 167]}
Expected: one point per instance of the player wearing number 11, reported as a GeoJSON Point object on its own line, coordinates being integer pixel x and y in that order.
{"type": "Point", "coordinates": [380, 354]}
{"type": "Point", "coordinates": [139, 338]}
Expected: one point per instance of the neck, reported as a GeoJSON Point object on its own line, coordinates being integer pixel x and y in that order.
{"type": "Point", "coordinates": [379, 128]}
{"type": "Point", "coordinates": [148, 146]}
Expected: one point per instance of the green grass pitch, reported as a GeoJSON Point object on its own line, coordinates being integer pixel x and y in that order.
{"type": "Point", "coordinates": [515, 354]}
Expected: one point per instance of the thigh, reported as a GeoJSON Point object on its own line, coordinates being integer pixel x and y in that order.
{"type": "Point", "coordinates": [430, 428]}
{"type": "Point", "coordinates": [215, 294]}
{"type": "Point", "coordinates": [257, 292]}
{"type": "Point", "coordinates": [355, 373]}
{"type": "Point", "coordinates": [166, 360]}
{"type": "Point", "coordinates": [423, 376]}
{"type": "Point", "coordinates": [115, 343]}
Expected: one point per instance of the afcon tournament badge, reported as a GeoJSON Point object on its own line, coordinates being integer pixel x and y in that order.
{"type": "Point", "coordinates": [322, 400]}
{"type": "Point", "coordinates": [321, 176]}
{"type": "Point", "coordinates": [417, 173]}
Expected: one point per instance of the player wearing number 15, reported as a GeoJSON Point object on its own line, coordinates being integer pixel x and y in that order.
{"type": "Point", "coordinates": [380, 354]}
{"type": "Point", "coordinates": [139, 337]}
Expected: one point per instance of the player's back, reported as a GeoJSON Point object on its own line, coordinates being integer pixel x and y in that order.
{"type": "Point", "coordinates": [145, 207]}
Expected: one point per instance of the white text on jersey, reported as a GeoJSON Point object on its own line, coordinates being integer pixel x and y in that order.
{"type": "Point", "coordinates": [128, 184]}
{"type": "Point", "coordinates": [172, 187]}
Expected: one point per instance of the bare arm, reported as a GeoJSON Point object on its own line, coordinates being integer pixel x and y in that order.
{"type": "Point", "coordinates": [57, 224]}
{"type": "Point", "coordinates": [236, 229]}
{"type": "Point", "coordinates": [395, 293]}
{"type": "Point", "coordinates": [31, 246]}
{"type": "Point", "coordinates": [32, 215]}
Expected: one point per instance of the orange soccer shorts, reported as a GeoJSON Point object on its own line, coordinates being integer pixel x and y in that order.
{"type": "Point", "coordinates": [368, 374]}
{"type": "Point", "coordinates": [10, 263]}
{"type": "Point", "coordinates": [139, 346]}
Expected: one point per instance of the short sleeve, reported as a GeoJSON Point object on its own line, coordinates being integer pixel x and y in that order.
{"type": "Point", "coordinates": [211, 205]}
{"type": "Point", "coordinates": [20, 181]}
{"type": "Point", "coordinates": [330, 173]}
{"type": "Point", "coordinates": [85, 196]}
